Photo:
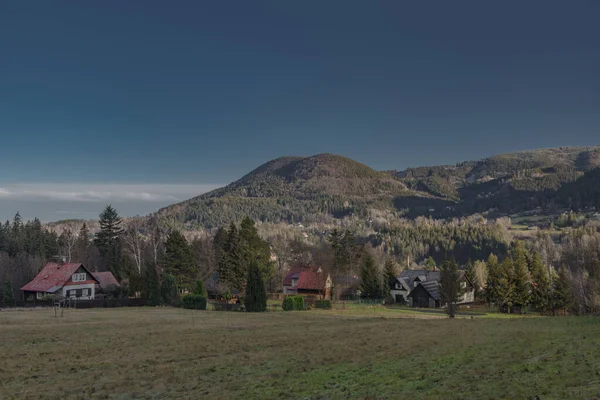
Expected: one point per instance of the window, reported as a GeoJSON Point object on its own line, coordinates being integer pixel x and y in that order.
{"type": "Point", "coordinates": [39, 295]}
{"type": "Point", "coordinates": [294, 282]}
{"type": "Point", "coordinates": [79, 277]}
{"type": "Point", "coordinates": [86, 292]}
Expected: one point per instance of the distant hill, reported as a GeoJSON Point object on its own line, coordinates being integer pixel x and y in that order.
{"type": "Point", "coordinates": [326, 186]}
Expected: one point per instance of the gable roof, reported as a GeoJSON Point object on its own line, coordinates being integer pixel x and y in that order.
{"type": "Point", "coordinates": [424, 275]}
{"type": "Point", "coordinates": [431, 287]}
{"type": "Point", "coordinates": [53, 277]}
{"type": "Point", "coordinates": [308, 278]}
{"type": "Point", "coordinates": [105, 279]}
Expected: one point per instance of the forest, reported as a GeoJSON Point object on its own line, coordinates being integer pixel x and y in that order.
{"type": "Point", "coordinates": [144, 253]}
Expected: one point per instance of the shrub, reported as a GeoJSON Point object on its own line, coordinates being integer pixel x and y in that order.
{"type": "Point", "coordinates": [291, 303]}
{"type": "Point", "coordinates": [168, 289]}
{"type": "Point", "coordinates": [255, 299]}
{"type": "Point", "coordinates": [194, 301]}
{"type": "Point", "coordinates": [326, 304]}
{"type": "Point", "coordinates": [200, 289]}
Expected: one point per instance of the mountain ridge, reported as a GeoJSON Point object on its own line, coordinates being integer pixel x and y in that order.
{"type": "Point", "coordinates": [326, 186]}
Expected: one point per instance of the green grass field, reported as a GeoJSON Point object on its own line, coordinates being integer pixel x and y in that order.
{"type": "Point", "coordinates": [368, 353]}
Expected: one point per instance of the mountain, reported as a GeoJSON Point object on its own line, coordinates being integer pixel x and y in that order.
{"type": "Point", "coordinates": [326, 186]}
{"type": "Point", "coordinates": [295, 189]}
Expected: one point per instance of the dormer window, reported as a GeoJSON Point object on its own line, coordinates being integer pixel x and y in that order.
{"type": "Point", "coordinates": [294, 282]}
{"type": "Point", "coordinates": [79, 277]}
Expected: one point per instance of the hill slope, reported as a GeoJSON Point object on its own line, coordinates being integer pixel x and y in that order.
{"type": "Point", "coordinates": [295, 189]}
{"type": "Point", "coordinates": [325, 186]}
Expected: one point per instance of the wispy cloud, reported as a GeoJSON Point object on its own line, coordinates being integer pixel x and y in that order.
{"type": "Point", "coordinates": [84, 192]}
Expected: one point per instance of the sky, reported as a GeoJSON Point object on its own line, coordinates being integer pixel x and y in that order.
{"type": "Point", "coordinates": [145, 103]}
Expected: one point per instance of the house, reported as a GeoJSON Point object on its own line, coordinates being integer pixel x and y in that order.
{"type": "Point", "coordinates": [106, 281]}
{"type": "Point", "coordinates": [425, 295]}
{"type": "Point", "coordinates": [71, 280]}
{"type": "Point", "coordinates": [410, 279]}
{"type": "Point", "coordinates": [420, 288]}
{"type": "Point", "coordinates": [308, 281]}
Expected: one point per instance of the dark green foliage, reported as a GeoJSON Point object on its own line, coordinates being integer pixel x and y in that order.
{"type": "Point", "coordinates": [180, 260]}
{"type": "Point", "coordinates": [8, 297]}
{"type": "Point", "coordinates": [450, 290]}
{"type": "Point", "coordinates": [231, 267]}
{"type": "Point", "coordinates": [430, 263]}
{"type": "Point", "coordinates": [370, 279]}
{"type": "Point", "coordinates": [200, 289]}
{"type": "Point", "coordinates": [492, 288]}
{"type": "Point", "coordinates": [293, 303]}
{"type": "Point", "coordinates": [254, 248]}
{"type": "Point", "coordinates": [255, 299]}
{"type": "Point", "coordinates": [108, 240]}
{"type": "Point", "coordinates": [169, 291]}
{"type": "Point", "coordinates": [521, 278]}
{"type": "Point", "coordinates": [540, 282]}
{"type": "Point", "coordinates": [325, 304]}
{"type": "Point", "coordinates": [562, 295]}
{"type": "Point", "coordinates": [389, 275]}
{"type": "Point", "coordinates": [152, 290]}
{"type": "Point", "coordinates": [472, 277]}
{"type": "Point", "coordinates": [194, 302]}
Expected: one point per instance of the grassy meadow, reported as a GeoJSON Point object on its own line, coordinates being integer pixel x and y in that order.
{"type": "Point", "coordinates": [370, 353]}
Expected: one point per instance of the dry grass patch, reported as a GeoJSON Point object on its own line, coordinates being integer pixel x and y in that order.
{"type": "Point", "coordinates": [174, 353]}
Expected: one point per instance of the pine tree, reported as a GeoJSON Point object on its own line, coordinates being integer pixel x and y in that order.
{"type": "Point", "coordinates": [505, 288]}
{"type": "Point", "coordinates": [200, 289]}
{"type": "Point", "coordinates": [450, 290]}
{"type": "Point", "coordinates": [540, 283]}
{"type": "Point", "coordinates": [83, 241]}
{"type": "Point", "coordinates": [521, 278]}
{"type": "Point", "coordinates": [152, 286]}
{"type": "Point", "coordinates": [16, 241]}
{"type": "Point", "coordinates": [472, 277]}
{"type": "Point", "coordinates": [9, 296]}
{"type": "Point", "coordinates": [168, 290]}
{"type": "Point", "coordinates": [254, 248]}
{"type": "Point", "coordinates": [370, 283]}
{"type": "Point", "coordinates": [562, 295]}
{"type": "Point", "coordinates": [179, 260]}
{"type": "Point", "coordinates": [389, 275]}
{"type": "Point", "coordinates": [108, 240]}
{"type": "Point", "coordinates": [255, 299]}
{"type": "Point", "coordinates": [231, 268]}
{"type": "Point", "coordinates": [493, 278]}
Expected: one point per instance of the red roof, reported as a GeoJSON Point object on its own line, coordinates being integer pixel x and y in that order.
{"type": "Point", "coordinates": [105, 279]}
{"type": "Point", "coordinates": [52, 277]}
{"type": "Point", "coordinates": [308, 279]}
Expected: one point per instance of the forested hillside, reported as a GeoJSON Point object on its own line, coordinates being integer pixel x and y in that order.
{"type": "Point", "coordinates": [325, 187]}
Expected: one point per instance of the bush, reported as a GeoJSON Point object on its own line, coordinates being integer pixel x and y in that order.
{"type": "Point", "coordinates": [326, 304]}
{"type": "Point", "coordinates": [291, 303]}
{"type": "Point", "coordinates": [168, 289]}
{"type": "Point", "coordinates": [194, 302]}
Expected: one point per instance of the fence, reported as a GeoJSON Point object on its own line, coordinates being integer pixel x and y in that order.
{"type": "Point", "coordinates": [97, 303]}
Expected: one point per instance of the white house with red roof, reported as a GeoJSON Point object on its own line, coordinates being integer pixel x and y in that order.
{"type": "Point", "coordinates": [72, 280]}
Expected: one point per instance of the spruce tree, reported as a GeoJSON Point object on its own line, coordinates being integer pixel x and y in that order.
{"type": "Point", "coordinates": [370, 283]}
{"type": "Point", "coordinates": [179, 260]}
{"type": "Point", "coordinates": [540, 283]}
{"type": "Point", "coordinates": [108, 240]}
{"type": "Point", "coordinates": [16, 243]}
{"type": "Point", "coordinates": [521, 278]}
{"type": "Point", "coordinates": [562, 295]}
{"type": "Point", "coordinates": [255, 299]}
{"type": "Point", "coordinates": [152, 285]}
{"type": "Point", "coordinates": [200, 289]}
{"type": "Point", "coordinates": [430, 263]}
{"type": "Point", "coordinates": [254, 248]}
{"type": "Point", "coordinates": [493, 278]}
{"type": "Point", "coordinates": [450, 290]}
{"type": "Point", "coordinates": [9, 296]}
{"type": "Point", "coordinates": [505, 287]}
{"type": "Point", "coordinates": [472, 277]}
{"type": "Point", "coordinates": [231, 268]}
{"type": "Point", "coordinates": [389, 275]}
{"type": "Point", "coordinates": [168, 290]}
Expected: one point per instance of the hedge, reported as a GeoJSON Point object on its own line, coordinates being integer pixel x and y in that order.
{"type": "Point", "coordinates": [326, 304]}
{"type": "Point", "coordinates": [293, 303]}
{"type": "Point", "coordinates": [194, 301]}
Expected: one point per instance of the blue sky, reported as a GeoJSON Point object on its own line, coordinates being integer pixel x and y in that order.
{"type": "Point", "coordinates": [102, 97]}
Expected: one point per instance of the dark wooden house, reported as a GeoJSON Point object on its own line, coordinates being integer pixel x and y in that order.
{"type": "Point", "coordinates": [425, 295]}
